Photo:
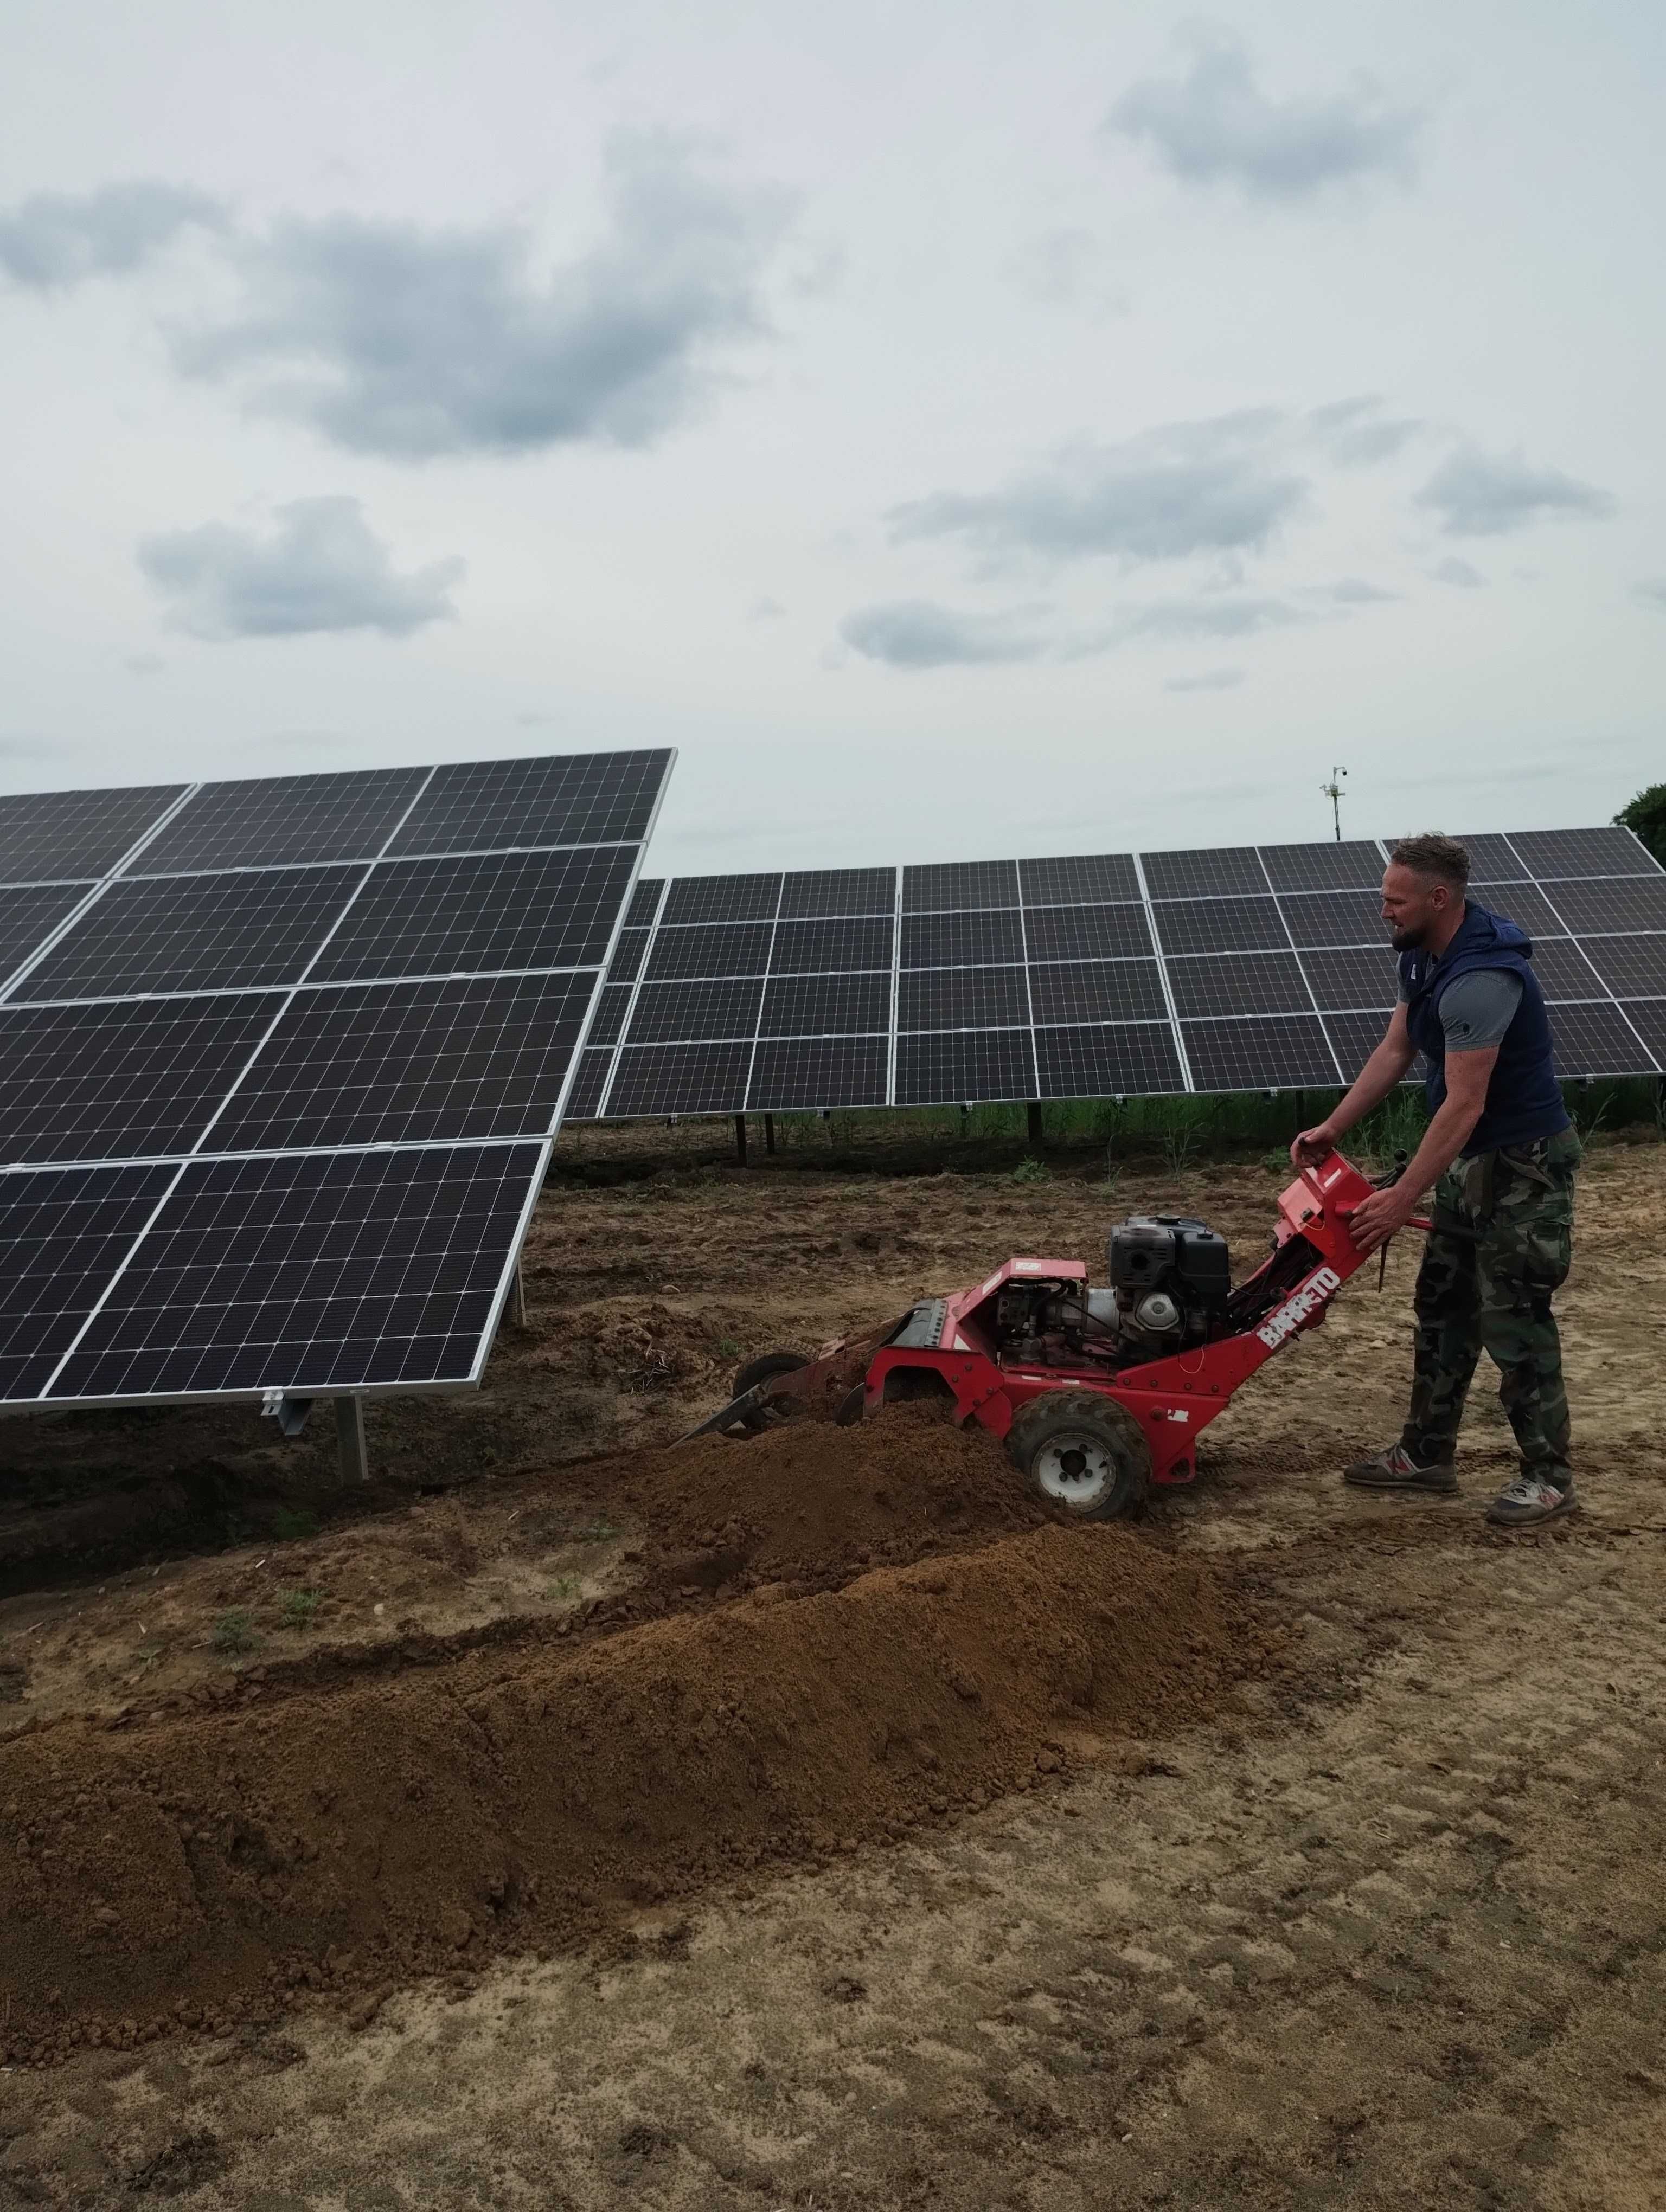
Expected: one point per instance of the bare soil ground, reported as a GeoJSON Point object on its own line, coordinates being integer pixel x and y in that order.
{"type": "Point", "coordinates": [555, 1821]}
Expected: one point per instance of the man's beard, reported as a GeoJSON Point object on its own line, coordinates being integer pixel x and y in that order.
{"type": "Point", "coordinates": [1406, 940]}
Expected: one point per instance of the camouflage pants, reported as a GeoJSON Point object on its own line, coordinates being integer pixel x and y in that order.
{"type": "Point", "coordinates": [1499, 1250]}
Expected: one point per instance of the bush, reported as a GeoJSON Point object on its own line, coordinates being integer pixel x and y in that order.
{"type": "Point", "coordinates": [1646, 814]}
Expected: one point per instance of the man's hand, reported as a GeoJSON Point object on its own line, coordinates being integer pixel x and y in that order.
{"type": "Point", "coordinates": [1378, 1218]}
{"type": "Point", "coordinates": [1312, 1146]}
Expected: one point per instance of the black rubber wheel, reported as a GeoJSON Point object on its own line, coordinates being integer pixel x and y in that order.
{"type": "Point", "coordinates": [760, 1370]}
{"type": "Point", "coordinates": [1081, 1450]}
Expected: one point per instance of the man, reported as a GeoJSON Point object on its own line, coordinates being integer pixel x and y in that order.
{"type": "Point", "coordinates": [1500, 1155]}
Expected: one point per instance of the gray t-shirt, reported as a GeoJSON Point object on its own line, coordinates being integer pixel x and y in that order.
{"type": "Point", "coordinates": [1478, 1008]}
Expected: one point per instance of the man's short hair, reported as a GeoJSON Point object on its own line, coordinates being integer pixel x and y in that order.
{"type": "Point", "coordinates": [1442, 859]}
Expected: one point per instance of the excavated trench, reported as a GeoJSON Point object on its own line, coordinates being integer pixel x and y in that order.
{"type": "Point", "coordinates": [834, 1637]}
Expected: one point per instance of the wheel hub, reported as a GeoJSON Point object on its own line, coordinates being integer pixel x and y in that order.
{"type": "Point", "coordinates": [1076, 1470]}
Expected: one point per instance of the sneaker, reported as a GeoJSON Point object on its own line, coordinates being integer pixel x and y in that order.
{"type": "Point", "coordinates": [1529, 1499]}
{"type": "Point", "coordinates": [1394, 1468]}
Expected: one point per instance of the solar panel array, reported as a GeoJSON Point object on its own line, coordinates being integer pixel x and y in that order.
{"type": "Point", "coordinates": [280, 1062]}
{"type": "Point", "coordinates": [1235, 968]}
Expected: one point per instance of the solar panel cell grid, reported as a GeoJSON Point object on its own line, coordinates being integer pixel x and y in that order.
{"type": "Point", "coordinates": [814, 891]}
{"type": "Point", "coordinates": [1354, 977]}
{"type": "Point", "coordinates": [1551, 854]}
{"type": "Point", "coordinates": [271, 819]}
{"type": "Point", "coordinates": [46, 836]}
{"type": "Point", "coordinates": [714, 949]}
{"type": "Point", "coordinates": [425, 1063]}
{"type": "Point", "coordinates": [962, 940]}
{"type": "Point", "coordinates": [1108, 1061]}
{"type": "Point", "coordinates": [1259, 1054]}
{"type": "Point", "coordinates": [1082, 879]}
{"type": "Point", "coordinates": [1648, 1018]}
{"type": "Point", "coordinates": [311, 1273]}
{"type": "Point", "coordinates": [1354, 863]}
{"type": "Point", "coordinates": [495, 910]}
{"type": "Point", "coordinates": [825, 1006]}
{"type": "Point", "coordinates": [832, 947]}
{"type": "Point", "coordinates": [722, 899]}
{"type": "Point", "coordinates": [27, 916]}
{"type": "Point", "coordinates": [63, 1235]}
{"type": "Point", "coordinates": [584, 1100]}
{"type": "Point", "coordinates": [121, 1079]}
{"type": "Point", "coordinates": [609, 1023]}
{"type": "Point", "coordinates": [570, 799]}
{"type": "Point", "coordinates": [1334, 918]}
{"type": "Point", "coordinates": [1630, 967]}
{"type": "Point", "coordinates": [195, 933]}
{"type": "Point", "coordinates": [1634, 903]}
{"type": "Point", "coordinates": [1564, 972]}
{"type": "Point", "coordinates": [1356, 1036]}
{"type": "Point", "coordinates": [1239, 983]}
{"type": "Point", "coordinates": [626, 964]}
{"type": "Point", "coordinates": [955, 1066]}
{"type": "Point", "coordinates": [680, 1079]}
{"type": "Point", "coordinates": [1492, 858]}
{"type": "Point", "coordinates": [1088, 933]}
{"type": "Point", "coordinates": [818, 1071]}
{"type": "Point", "coordinates": [1524, 905]}
{"type": "Point", "coordinates": [954, 884]}
{"type": "Point", "coordinates": [1234, 925]}
{"type": "Point", "coordinates": [963, 999]}
{"type": "Point", "coordinates": [644, 902]}
{"type": "Point", "coordinates": [1597, 1040]}
{"type": "Point", "coordinates": [1097, 991]}
{"type": "Point", "coordinates": [669, 1013]}
{"type": "Point", "coordinates": [1219, 872]}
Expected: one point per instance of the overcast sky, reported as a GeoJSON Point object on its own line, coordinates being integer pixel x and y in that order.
{"type": "Point", "coordinates": [961, 429]}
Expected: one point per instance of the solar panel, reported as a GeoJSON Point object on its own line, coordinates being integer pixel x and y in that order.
{"type": "Point", "coordinates": [215, 932]}
{"type": "Point", "coordinates": [1088, 933]}
{"type": "Point", "coordinates": [1097, 991]}
{"type": "Point", "coordinates": [564, 798]}
{"type": "Point", "coordinates": [312, 1272]}
{"type": "Point", "coordinates": [277, 1094]}
{"type": "Point", "coordinates": [1220, 925]}
{"type": "Point", "coordinates": [50, 836]}
{"type": "Point", "coordinates": [959, 884]}
{"type": "Point", "coordinates": [1236, 967]}
{"type": "Point", "coordinates": [1289, 1053]}
{"type": "Point", "coordinates": [1220, 871]}
{"type": "Point", "coordinates": [273, 818]}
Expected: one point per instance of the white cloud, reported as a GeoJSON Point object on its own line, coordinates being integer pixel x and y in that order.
{"type": "Point", "coordinates": [1479, 495]}
{"type": "Point", "coordinates": [320, 568]}
{"type": "Point", "coordinates": [920, 634]}
{"type": "Point", "coordinates": [54, 239]}
{"type": "Point", "coordinates": [391, 339]}
{"type": "Point", "coordinates": [1215, 125]}
{"type": "Point", "coordinates": [1651, 592]}
{"type": "Point", "coordinates": [1458, 571]}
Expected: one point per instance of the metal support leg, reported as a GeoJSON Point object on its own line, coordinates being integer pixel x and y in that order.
{"type": "Point", "coordinates": [519, 1306]}
{"type": "Point", "coordinates": [349, 1437]}
{"type": "Point", "coordinates": [769, 1134]}
{"type": "Point", "coordinates": [740, 1139]}
{"type": "Point", "coordinates": [1033, 1113]}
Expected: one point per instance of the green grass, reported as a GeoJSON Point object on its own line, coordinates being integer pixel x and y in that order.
{"type": "Point", "coordinates": [1031, 1169]}
{"type": "Point", "coordinates": [233, 1633]}
{"type": "Point", "coordinates": [298, 1607]}
{"type": "Point", "coordinates": [598, 1531]}
{"type": "Point", "coordinates": [289, 1526]}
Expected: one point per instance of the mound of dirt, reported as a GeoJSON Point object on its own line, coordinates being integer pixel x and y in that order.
{"type": "Point", "coordinates": [806, 1499]}
{"type": "Point", "coordinates": [201, 1869]}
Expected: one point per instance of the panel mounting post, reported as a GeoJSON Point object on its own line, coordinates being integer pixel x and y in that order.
{"type": "Point", "coordinates": [740, 1139]}
{"type": "Point", "coordinates": [1033, 1113]}
{"type": "Point", "coordinates": [350, 1438]}
{"type": "Point", "coordinates": [519, 1296]}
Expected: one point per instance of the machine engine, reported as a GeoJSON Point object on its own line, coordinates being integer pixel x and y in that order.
{"type": "Point", "coordinates": [1170, 1280]}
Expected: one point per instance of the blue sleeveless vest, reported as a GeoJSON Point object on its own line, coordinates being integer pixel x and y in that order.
{"type": "Point", "coordinates": [1523, 1097]}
